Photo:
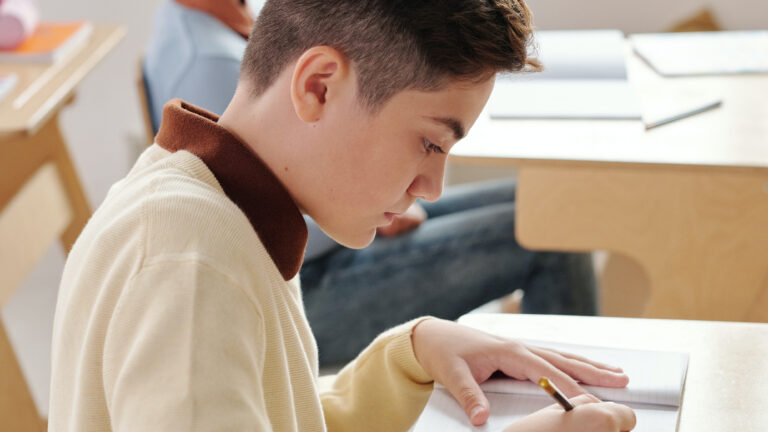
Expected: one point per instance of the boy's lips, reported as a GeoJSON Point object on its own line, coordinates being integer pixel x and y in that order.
{"type": "Point", "coordinates": [390, 216]}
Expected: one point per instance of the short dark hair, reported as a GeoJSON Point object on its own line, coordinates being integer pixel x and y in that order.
{"type": "Point", "coordinates": [394, 44]}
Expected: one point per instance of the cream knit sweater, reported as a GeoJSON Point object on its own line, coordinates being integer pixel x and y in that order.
{"type": "Point", "coordinates": [172, 316]}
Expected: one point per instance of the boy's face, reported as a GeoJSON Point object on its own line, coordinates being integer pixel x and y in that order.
{"type": "Point", "coordinates": [374, 166]}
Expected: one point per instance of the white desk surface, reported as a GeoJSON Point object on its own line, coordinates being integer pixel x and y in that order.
{"type": "Point", "coordinates": [725, 389]}
{"type": "Point", "coordinates": [736, 134]}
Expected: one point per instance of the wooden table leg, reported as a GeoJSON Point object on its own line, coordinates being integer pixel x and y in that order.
{"type": "Point", "coordinates": [81, 210]}
{"type": "Point", "coordinates": [700, 234]}
{"type": "Point", "coordinates": [23, 155]}
{"type": "Point", "coordinates": [29, 224]}
{"type": "Point", "coordinates": [17, 408]}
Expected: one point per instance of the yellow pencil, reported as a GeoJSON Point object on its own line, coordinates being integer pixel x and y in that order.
{"type": "Point", "coordinates": [555, 393]}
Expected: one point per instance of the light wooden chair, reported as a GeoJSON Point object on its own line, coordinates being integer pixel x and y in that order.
{"type": "Point", "coordinates": [17, 408]}
{"type": "Point", "coordinates": [32, 220]}
{"type": "Point", "coordinates": [145, 102]}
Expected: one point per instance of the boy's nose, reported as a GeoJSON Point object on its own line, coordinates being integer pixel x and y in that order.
{"type": "Point", "coordinates": [428, 185]}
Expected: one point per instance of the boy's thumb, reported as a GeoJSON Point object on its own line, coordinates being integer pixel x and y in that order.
{"type": "Point", "coordinates": [466, 391]}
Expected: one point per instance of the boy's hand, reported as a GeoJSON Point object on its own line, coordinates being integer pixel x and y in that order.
{"type": "Point", "coordinates": [459, 358]}
{"type": "Point", "coordinates": [589, 415]}
{"type": "Point", "coordinates": [412, 218]}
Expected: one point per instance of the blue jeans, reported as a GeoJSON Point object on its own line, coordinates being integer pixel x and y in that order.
{"type": "Point", "coordinates": [463, 256]}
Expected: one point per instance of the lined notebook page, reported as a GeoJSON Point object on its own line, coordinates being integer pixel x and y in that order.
{"type": "Point", "coordinates": [654, 392]}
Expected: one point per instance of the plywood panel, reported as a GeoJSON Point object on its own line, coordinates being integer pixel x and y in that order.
{"type": "Point", "coordinates": [33, 220]}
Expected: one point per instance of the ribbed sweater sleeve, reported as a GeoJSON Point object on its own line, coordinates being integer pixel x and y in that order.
{"type": "Point", "coordinates": [384, 389]}
{"type": "Point", "coordinates": [184, 352]}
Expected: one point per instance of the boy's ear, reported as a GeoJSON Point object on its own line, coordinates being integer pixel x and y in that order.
{"type": "Point", "coordinates": [319, 75]}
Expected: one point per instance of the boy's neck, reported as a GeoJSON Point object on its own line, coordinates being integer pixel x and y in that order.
{"type": "Point", "coordinates": [268, 126]}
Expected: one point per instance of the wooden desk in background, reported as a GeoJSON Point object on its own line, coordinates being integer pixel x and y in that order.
{"type": "Point", "coordinates": [687, 202]}
{"type": "Point", "coordinates": [727, 373]}
{"type": "Point", "coordinates": [41, 198]}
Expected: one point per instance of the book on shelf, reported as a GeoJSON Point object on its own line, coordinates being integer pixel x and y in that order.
{"type": "Point", "coordinates": [655, 390]}
{"type": "Point", "coordinates": [50, 43]}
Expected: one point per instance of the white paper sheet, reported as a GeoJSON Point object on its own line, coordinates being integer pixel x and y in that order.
{"type": "Point", "coordinates": [704, 53]}
{"type": "Point", "coordinates": [584, 77]}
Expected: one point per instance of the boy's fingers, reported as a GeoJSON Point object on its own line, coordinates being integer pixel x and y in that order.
{"type": "Point", "coordinates": [540, 367]}
{"type": "Point", "coordinates": [567, 384]}
{"type": "Point", "coordinates": [533, 367]}
{"type": "Point", "coordinates": [467, 392]}
{"type": "Point", "coordinates": [585, 372]}
{"type": "Point", "coordinates": [581, 359]}
{"type": "Point", "coordinates": [624, 416]}
{"type": "Point", "coordinates": [584, 399]}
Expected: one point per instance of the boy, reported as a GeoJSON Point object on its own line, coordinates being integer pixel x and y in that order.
{"type": "Point", "coordinates": [463, 255]}
{"type": "Point", "coordinates": [180, 308]}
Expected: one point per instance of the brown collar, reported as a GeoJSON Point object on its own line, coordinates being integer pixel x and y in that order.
{"type": "Point", "coordinates": [245, 178]}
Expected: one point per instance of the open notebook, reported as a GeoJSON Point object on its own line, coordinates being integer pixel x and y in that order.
{"type": "Point", "coordinates": [656, 381]}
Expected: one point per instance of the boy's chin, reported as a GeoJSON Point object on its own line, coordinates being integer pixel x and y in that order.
{"type": "Point", "coordinates": [355, 240]}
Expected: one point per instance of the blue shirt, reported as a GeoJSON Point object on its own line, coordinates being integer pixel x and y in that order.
{"type": "Point", "coordinates": [196, 57]}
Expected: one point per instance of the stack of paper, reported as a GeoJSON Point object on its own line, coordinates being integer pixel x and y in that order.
{"type": "Point", "coordinates": [585, 77]}
{"type": "Point", "coordinates": [704, 53]}
{"type": "Point", "coordinates": [656, 382]}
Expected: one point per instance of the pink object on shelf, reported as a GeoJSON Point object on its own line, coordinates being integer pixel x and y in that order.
{"type": "Point", "coordinates": [18, 19]}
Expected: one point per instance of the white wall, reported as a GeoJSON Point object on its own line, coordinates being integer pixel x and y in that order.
{"type": "Point", "coordinates": [634, 16]}
{"type": "Point", "coordinates": [103, 126]}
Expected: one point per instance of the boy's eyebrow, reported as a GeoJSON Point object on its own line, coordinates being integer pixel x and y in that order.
{"type": "Point", "coordinates": [453, 124]}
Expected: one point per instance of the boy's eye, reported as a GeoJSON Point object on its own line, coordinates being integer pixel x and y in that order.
{"type": "Point", "coordinates": [430, 147]}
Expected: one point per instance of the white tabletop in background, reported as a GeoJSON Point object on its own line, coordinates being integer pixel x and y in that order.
{"type": "Point", "coordinates": [735, 134]}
